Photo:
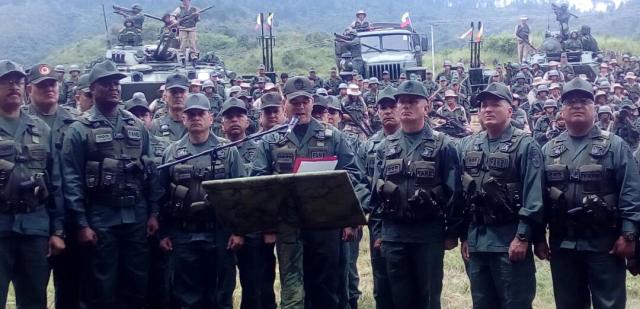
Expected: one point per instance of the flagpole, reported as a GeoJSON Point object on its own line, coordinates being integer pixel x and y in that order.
{"type": "Point", "coordinates": [433, 53]}
{"type": "Point", "coordinates": [262, 40]}
{"type": "Point", "coordinates": [271, 41]}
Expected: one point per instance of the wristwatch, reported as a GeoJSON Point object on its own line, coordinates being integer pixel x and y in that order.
{"type": "Point", "coordinates": [629, 236]}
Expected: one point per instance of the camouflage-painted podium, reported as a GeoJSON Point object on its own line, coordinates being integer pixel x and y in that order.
{"type": "Point", "coordinates": [319, 200]}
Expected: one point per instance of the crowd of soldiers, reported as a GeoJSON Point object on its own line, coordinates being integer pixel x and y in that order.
{"type": "Point", "coordinates": [81, 195]}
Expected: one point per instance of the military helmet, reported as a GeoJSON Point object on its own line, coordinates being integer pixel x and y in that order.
{"type": "Point", "coordinates": [442, 78]}
{"type": "Point", "coordinates": [550, 103]}
{"type": "Point", "coordinates": [374, 80]}
{"type": "Point", "coordinates": [600, 93]}
{"type": "Point", "coordinates": [447, 63]}
{"type": "Point", "coordinates": [604, 109]}
{"type": "Point", "coordinates": [136, 7]}
{"type": "Point", "coordinates": [74, 68]}
{"type": "Point", "coordinates": [59, 68]}
{"type": "Point", "coordinates": [322, 92]}
{"type": "Point", "coordinates": [542, 88]}
{"type": "Point", "coordinates": [555, 86]}
{"type": "Point", "coordinates": [334, 103]}
{"type": "Point", "coordinates": [604, 84]}
{"type": "Point", "coordinates": [343, 86]}
{"type": "Point", "coordinates": [208, 84]}
{"type": "Point", "coordinates": [139, 95]}
{"type": "Point", "coordinates": [361, 12]}
{"type": "Point", "coordinates": [520, 75]}
{"type": "Point", "coordinates": [553, 73]}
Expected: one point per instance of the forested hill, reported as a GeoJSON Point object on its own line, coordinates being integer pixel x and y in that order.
{"type": "Point", "coordinates": [32, 30]}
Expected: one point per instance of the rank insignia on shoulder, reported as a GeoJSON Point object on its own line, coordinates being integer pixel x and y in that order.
{"type": "Point", "coordinates": [598, 150]}
{"type": "Point", "coordinates": [558, 150]}
{"type": "Point", "coordinates": [505, 146]}
{"type": "Point", "coordinates": [181, 153]}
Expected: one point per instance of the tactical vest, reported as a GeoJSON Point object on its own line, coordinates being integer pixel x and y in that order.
{"type": "Point", "coordinates": [582, 191]}
{"type": "Point", "coordinates": [115, 167]}
{"type": "Point", "coordinates": [491, 181]}
{"type": "Point", "coordinates": [413, 186]}
{"type": "Point", "coordinates": [370, 161]}
{"type": "Point", "coordinates": [23, 172]}
{"type": "Point", "coordinates": [188, 204]}
{"type": "Point", "coordinates": [285, 152]}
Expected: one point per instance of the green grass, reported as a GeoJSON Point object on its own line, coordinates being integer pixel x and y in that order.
{"type": "Point", "coordinates": [455, 294]}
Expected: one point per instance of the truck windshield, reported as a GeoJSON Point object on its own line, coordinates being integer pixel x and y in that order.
{"type": "Point", "coordinates": [394, 42]}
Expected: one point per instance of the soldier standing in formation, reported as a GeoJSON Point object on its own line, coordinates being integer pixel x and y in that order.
{"type": "Point", "coordinates": [416, 181]}
{"type": "Point", "coordinates": [170, 126]}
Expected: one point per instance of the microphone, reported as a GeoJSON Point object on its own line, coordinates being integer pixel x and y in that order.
{"type": "Point", "coordinates": [292, 123]}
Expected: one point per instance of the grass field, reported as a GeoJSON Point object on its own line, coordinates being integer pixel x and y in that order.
{"type": "Point", "coordinates": [455, 294]}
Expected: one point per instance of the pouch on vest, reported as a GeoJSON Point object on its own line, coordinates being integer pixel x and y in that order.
{"type": "Point", "coordinates": [102, 138]}
{"type": "Point", "coordinates": [7, 149]}
{"type": "Point", "coordinates": [182, 173]}
{"type": "Point", "coordinates": [110, 169]}
{"type": "Point", "coordinates": [6, 168]}
{"type": "Point", "coordinates": [178, 197]}
{"type": "Point", "coordinates": [424, 171]}
{"type": "Point", "coordinates": [591, 177]}
{"type": "Point", "coordinates": [394, 169]}
{"type": "Point", "coordinates": [284, 158]}
{"type": "Point", "coordinates": [498, 164]}
{"type": "Point", "coordinates": [473, 162]}
{"type": "Point", "coordinates": [37, 155]}
{"type": "Point", "coordinates": [92, 174]}
{"type": "Point", "coordinates": [556, 173]}
{"type": "Point", "coordinates": [318, 152]}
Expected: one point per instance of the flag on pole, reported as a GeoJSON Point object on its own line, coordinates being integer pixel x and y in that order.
{"type": "Point", "coordinates": [406, 21]}
{"type": "Point", "coordinates": [480, 33]}
{"type": "Point", "coordinates": [270, 20]}
{"type": "Point", "coordinates": [258, 22]}
{"type": "Point", "coordinates": [466, 34]}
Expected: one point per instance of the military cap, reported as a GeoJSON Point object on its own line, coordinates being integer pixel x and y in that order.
{"type": "Point", "coordinates": [553, 73]}
{"type": "Point", "coordinates": [261, 67]}
{"type": "Point", "coordinates": [83, 83]}
{"type": "Point", "coordinates": [74, 68]}
{"type": "Point", "coordinates": [613, 61]}
{"type": "Point", "coordinates": [411, 87]}
{"type": "Point", "coordinates": [542, 88]}
{"type": "Point", "coordinates": [298, 86]}
{"type": "Point", "coordinates": [270, 99]}
{"type": "Point", "coordinates": [374, 80]}
{"type": "Point", "coordinates": [342, 86]}
{"type": "Point", "coordinates": [8, 66]}
{"type": "Point", "coordinates": [361, 12]}
{"type": "Point", "coordinates": [312, 70]}
{"type": "Point", "coordinates": [447, 63]}
{"type": "Point", "coordinates": [136, 103]}
{"type": "Point", "coordinates": [319, 100]}
{"type": "Point", "coordinates": [385, 72]}
{"type": "Point", "coordinates": [524, 66]}
{"type": "Point", "coordinates": [495, 90]}
{"type": "Point", "coordinates": [442, 78]}
{"type": "Point", "coordinates": [235, 89]}
{"type": "Point", "coordinates": [177, 81]}
{"type": "Point", "coordinates": [207, 84]}
{"type": "Point", "coordinates": [577, 86]}
{"type": "Point", "coordinates": [403, 75]}
{"type": "Point", "coordinates": [550, 103]}
{"type": "Point", "coordinates": [605, 109]}
{"type": "Point", "coordinates": [359, 77]}
{"type": "Point", "coordinates": [103, 70]}
{"type": "Point", "coordinates": [450, 93]}
{"type": "Point", "coordinates": [386, 95]}
{"type": "Point", "coordinates": [139, 95]}
{"type": "Point", "coordinates": [41, 72]}
{"type": "Point", "coordinates": [59, 68]}
{"type": "Point", "coordinates": [353, 90]}
{"type": "Point", "coordinates": [322, 92]}
{"type": "Point", "coordinates": [600, 93]}
{"type": "Point", "coordinates": [233, 103]}
{"type": "Point", "coordinates": [334, 103]}
{"type": "Point", "coordinates": [197, 101]}
{"type": "Point", "coordinates": [460, 65]}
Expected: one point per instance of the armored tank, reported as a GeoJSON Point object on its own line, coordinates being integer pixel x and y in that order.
{"type": "Point", "coordinates": [147, 66]}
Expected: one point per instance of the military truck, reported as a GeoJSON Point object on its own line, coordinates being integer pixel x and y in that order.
{"type": "Point", "coordinates": [386, 47]}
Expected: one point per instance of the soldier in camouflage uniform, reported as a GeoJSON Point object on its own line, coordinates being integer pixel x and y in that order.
{"type": "Point", "coordinates": [191, 230]}
{"type": "Point", "coordinates": [566, 69]}
{"type": "Point", "coordinates": [537, 106]}
{"type": "Point", "coordinates": [429, 84]}
{"type": "Point", "coordinates": [333, 82]}
{"type": "Point", "coordinates": [626, 124]}
{"type": "Point", "coordinates": [107, 163]}
{"type": "Point", "coordinates": [632, 87]}
{"type": "Point", "coordinates": [447, 65]}
{"type": "Point", "coordinates": [170, 126]}
{"type": "Point", "coordinates": [259, 90]}
{"type": "Point", "coordinates": [502, 185]}
{"type": "Point", "coordinates": [82, 96]}
{"type": "Point", "coordinates": [31, 206]}
{"type": "Point", "coordinates": [593, 214]}
{"type": "Point", "coordinates": [521, 87]}
{"type": "Point", "coordinates": [544, 123]}
{"type": "Point", "coordinates": [69, 85]}
{"type": "Point", "coordinates": [355, 106]}
{"type": "Point", "coordinates": [452, 109]}
{"type": "Point", "coordinates": [386, 79]}
{"type": "Point", "coordinates": [276, 154]}
{"type": "Point", "coordinates": [214, 77]}
{"type": "Point", "coordinates": [335, 112]}
{"type": "Point", "coordinates": [317, 81]}
{"type": "Point", "coordinates": [518, 115]}
{"type": "Point", "coordinates": [605, 118]}
{"type": "Point", "coordinates": [42, 88]}
{"type": "Point", "coordinates": [370, 98]}
{"type": "Point", "coordinates": [415, 182]}
{"type": "Point", "coordinates": [215, 100]}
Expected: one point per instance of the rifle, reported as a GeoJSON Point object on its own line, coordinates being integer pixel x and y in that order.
{"type": "Point", "coordinates": [153, 17]}
{"type": "Point", "coordinates": [289, 126]}
{"type": "Point", "coordinates": [527, 42]}
{"type": "Point", "coordinates": [122, 10]}
{"type": "Point", "coordinates": [192, 15]}
{"type": "Point", "coordinates": [359, 122]}
{"type": "Point", "coordinates": [450, 121]}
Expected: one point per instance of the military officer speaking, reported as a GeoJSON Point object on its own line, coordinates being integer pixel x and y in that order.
{"type": "Point", "coordinates": [31, 212]}
{"type": "Point", "coordinates": [592, 184]}
{"type": "Point", "coordinates": [105, 156]}
{"type": "Point", "coordinates": [190, 228]}
{"type": "Point", "coordinates": [415, 182]}
{"type": "Point", "coordinates": [276, 154]}
{"type": "Point", "coordinates": [502, 187]}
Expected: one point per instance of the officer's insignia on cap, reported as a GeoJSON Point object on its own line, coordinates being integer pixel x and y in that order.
{"type": "Point", "coordinates": [298, 84]}
{"type": "Point", "coordinates": [44, 70]}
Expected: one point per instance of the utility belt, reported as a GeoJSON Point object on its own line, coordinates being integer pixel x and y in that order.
{"type": "Point", "coordinates": [592, 212]}
{"type": "Point", "coordinates": [19, 207]}
{"type": "Point", "coordinates": [422, 205]}
{"type": "Point", "coordinates": [195, 217]}
{"type": "Point", "coordinates": [114, 182]}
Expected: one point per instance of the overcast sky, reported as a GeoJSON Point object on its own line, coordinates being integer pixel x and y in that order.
{"type": "Point", "coordinates": [581, 5]}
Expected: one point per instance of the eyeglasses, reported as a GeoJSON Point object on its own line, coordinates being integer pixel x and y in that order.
{"type": "Point", "coordinates": [19, 81]}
